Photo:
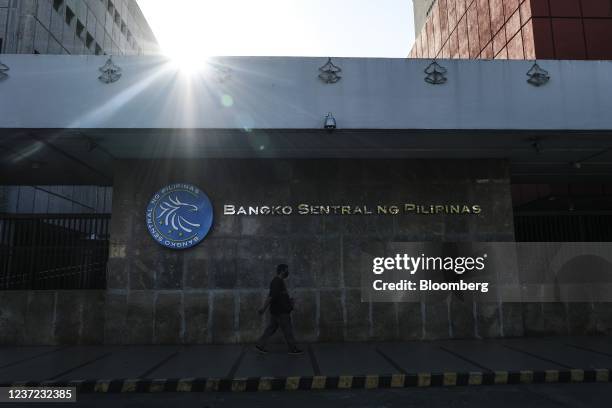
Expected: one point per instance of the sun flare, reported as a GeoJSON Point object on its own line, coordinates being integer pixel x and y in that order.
{"type": "Point", "coordinates": [186, 62]}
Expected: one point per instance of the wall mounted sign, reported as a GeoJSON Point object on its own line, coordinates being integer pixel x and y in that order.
{"type": "Point", "coordinates": [436, 74]}
{"type": "Point", "coordinates": [4, 69]}
{"type": "Point", "coordinates": [110, 72]}
{"type": "Point", "coordinates": [179, 216]}
{"type": "Point", "coordinates": [537, 76]}
{"type": "Point", "coordinates": [222, 74]}
{"type": "Point", "coordinates": [380, 209]}
{"type": "Point", "coordinates": [329, 73]}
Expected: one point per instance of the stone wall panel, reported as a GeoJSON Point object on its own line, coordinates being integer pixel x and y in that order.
{"type": "Point", "coordinates": [168, 318]}
{"type": "Point", "coordinates": [140, 319]}
{"type": "Point", "coordinates": [40, 318]}
{"type": "Point", "coordinates": [251, 323]}
{"type": "Point", "coordinates": [197, 313]}
{"type": "Point", "coordinates": [223, 317]}
{"type": "Point", "coordinates": [115, 319]}
{"type": "Point", "coordinates": [67, 318]}
{"type": "Point", "coordinates": [13, 308]}
{"type": "Point", "coordinates": [331, 318]}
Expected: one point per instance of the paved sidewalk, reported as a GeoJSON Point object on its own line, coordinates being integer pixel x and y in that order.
{"type": "Point", "coordinates": [325, 365]}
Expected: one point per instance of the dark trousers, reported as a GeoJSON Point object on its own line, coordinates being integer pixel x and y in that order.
{"type": "Point", "coordinates": [284, 322]}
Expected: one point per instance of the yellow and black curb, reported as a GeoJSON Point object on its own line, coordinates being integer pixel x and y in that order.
{"type": "Point", "coordinates": [320, 382]}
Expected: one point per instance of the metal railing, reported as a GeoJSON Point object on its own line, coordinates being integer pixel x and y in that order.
{"type": "Point", "coordinates": [53, 251]}
{"type": "Point", "coordinates": [563, 227]}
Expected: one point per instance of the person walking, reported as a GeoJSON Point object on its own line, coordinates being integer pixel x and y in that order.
{"type": "Point", "coordinates": [281, 306]}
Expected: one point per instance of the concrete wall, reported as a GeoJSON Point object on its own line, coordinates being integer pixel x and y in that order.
{"type": "Point", "coordinates": [210, 293]}
{"type": "Point", "coordinates": [78, 317]}
{"type": "Point", "coordinates": [52, 317]}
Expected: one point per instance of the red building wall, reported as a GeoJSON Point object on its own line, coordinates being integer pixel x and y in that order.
{"type": "Point", "coordinates": [517, 29]}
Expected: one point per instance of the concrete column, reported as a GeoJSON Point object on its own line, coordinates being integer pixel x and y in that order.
{"type": "Point", "coordinates": [26, 28]}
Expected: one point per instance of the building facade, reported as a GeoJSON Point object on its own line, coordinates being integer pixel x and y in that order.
{"type": "Point", "coordinates": [111, 27]}
{"type": "Point", "coordinates": [87, 27]}
{"type": "Point", "coordinates": [422, 9]}
{"type": "Point", "coordinates": [251, 133]}
{"type": "Point", "coordinates": [515, 29]}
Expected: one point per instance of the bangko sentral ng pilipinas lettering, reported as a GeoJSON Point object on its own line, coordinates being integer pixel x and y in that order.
{"type": "Point", "coordinates": [310, 209]}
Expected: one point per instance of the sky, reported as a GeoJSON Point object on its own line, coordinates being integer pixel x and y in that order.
{"type": "Point", "coordinates": [339, 28]}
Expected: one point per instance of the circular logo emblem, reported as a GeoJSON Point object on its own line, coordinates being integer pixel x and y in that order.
{"type": "Point", "coordinates": [179, 216]}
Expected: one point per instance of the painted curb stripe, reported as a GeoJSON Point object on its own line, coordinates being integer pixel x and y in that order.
{"type": "Point", "coordinates": [321, 382]}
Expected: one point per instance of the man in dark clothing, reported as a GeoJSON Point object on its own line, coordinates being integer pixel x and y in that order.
{"type": "Point", "coordinates": [281, 306]}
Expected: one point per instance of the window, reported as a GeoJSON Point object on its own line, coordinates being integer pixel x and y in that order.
{"type": "Point", "coordinates": [88, 40]}
{"type": "Point", "coordinates": [80, 28]}
{"type": "Point", "coordinates": [98, 49]}
{"type": "Point", "coordinates": [0, 45]}
{"type": "Point", "coordinates": [117, 18]}
{"type": "Point", "coordinates": [110, 7]}
{"type": "Point", "coordinates": [123, 27]}
{"type": "Point", "coordinates": [69, 15]}
{"type": "Point", "coordinates": [57, 4]}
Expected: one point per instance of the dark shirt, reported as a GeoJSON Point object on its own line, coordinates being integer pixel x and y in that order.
{"type": "Point", "coordinates": [280, 302]}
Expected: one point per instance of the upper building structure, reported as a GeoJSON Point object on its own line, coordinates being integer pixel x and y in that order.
{"type": "Point", "coordinates": [422, 8]}
{"type": "Point", "coordinates": [98, 27]}
{"type": "Point", "coordinates": [513, 29]}
{"type": "Point", "coordinates": [112, 27]}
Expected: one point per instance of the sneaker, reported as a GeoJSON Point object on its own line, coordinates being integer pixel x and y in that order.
{"type": "Point", "coordinates": [261, 349]}
{"type": "Point", "coordinates": [296, 351]}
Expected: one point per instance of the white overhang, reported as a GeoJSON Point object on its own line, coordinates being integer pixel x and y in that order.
{"type": "Point", "coordinates": [63, 92]}
{"type": "Point", "coordinates": [59, 124]}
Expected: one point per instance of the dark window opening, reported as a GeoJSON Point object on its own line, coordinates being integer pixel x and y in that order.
{"type": "Point", "coordinates": [117, 18]}
{"type": "Point", "coordinates": [80, 28]}
{"type": "Point", "coordinates": [123, 27]}
{"type": "Point", "coordinates": [98, 49]}
{"type": "Point", "coordinates": [88, 40]}
{"type": "Point", "coordinates": [57, 4]}
{"type": "Point", "coordinates": [69, 15]}
{"type": "Point", "coordinates": [110, 7]}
